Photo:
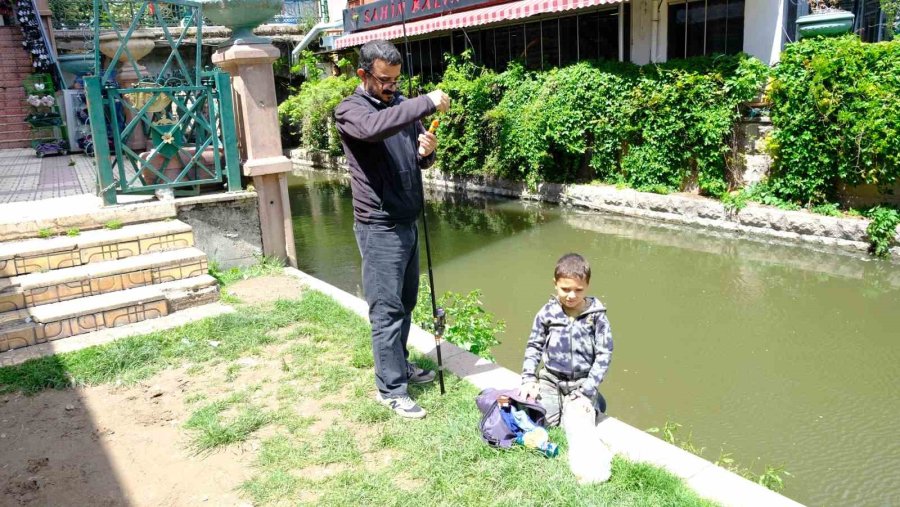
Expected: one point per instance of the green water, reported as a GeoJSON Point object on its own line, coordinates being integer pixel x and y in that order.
{"type": "Point", "coordinates": [776, 354]}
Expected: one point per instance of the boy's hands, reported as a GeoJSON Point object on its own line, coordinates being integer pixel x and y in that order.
{"type": "Point", "coordinates": [529, 390]}
{"type": "Point", "coordinates": [580, 402]}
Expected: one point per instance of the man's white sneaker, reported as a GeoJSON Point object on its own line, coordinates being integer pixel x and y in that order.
{"type": "Point", "coordinates": [404, 406]}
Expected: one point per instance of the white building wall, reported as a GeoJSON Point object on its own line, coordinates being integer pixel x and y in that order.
{"type": "Point", "coordinates": [642, 25]}
{"type": "Point", "coordinates": [336, 10]}
{"type": "Point", "coordinates": [763, 22]}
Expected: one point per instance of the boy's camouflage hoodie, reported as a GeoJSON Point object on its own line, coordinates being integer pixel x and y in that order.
{"type": "Point", "coordinates": [570, 348]}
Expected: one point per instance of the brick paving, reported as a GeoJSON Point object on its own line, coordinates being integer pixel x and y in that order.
{"type": "Point", "coordinates": [24, 177]}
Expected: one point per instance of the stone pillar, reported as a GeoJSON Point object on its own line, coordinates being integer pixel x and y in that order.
{"type": "Point", "coordinates": [256, 111]}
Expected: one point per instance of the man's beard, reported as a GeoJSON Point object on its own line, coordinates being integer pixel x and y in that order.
{"type": "Point", "coordinates": [387, 94]}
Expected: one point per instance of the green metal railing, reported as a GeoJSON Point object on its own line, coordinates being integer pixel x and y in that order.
{"type": "Point", "coordinates": [75, 14]}
{"type": "Point", "coordinates": [174, 128]}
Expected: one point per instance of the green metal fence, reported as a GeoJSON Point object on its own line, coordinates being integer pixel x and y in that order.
{"type": "Point", "coordinates": [173, 128]}
{"type": "Point", "coordinates": [74, 14]}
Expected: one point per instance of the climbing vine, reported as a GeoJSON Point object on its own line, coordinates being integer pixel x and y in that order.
{"type": "Point", "coordinates": [652, 127]}
{"type": "Point", "coordinates": [836, 112]}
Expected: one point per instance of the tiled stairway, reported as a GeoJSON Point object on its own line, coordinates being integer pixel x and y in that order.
{"type": "Point", "coordinates": [101, 278]}
{"type": "Point", "coordinates": [15, 65]}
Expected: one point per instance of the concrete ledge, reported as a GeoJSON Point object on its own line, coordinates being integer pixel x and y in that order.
{"type": "Point", "coordinates": [25, 219]}
{"type": "Point", "coordinates": [226, 226]}
{"type": "Point", "coordinates": [754, 220]}
{"type": "Point", "coordinates": [708, 480]}
{"type": "Point", "coordinates": [18, 356]}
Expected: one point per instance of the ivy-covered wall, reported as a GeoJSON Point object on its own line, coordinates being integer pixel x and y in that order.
{"type": "Point", "coordinates": [835, 109]}
{"type": "Point", "coordinates": [836, 112]}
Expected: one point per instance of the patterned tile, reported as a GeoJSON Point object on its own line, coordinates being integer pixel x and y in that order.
{"type": "Point", "coordinates": [24, 177]}
{"type": "Point", "coordinates": [11, 302]}
{"type": "Point", "coordinates": [167, 242]}
{"type": "Point", "coordinates": [110, 252]}
{"type": "Point", "coordinates": [22, 336]}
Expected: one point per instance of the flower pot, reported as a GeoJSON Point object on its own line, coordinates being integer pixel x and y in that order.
{"type": "Point", "coordinates": [825, 24]}
{"type": "Point", "coordinates": [140, 44]}
{"type": "Point", "coordinates": [77, 64]}
{"type": "Point", "coordinates": [242, 16]}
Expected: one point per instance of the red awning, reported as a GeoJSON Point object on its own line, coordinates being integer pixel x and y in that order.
{"type": "Point", "coordinates": [476, 17]}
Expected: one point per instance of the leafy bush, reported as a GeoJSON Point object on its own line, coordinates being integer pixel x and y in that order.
{"type": "Point", "coordinates": [836, 112]}
{"type": "Point", "coordinates": [651, 127]}
{"type": "Point", "coordinates": [469, 325]}
{"type": "Point", "coordinates": [310, 113]}
{"type": "Point", "coordinates": [463, 129]}
{"type": "Point", "coordinates": [882, 229]}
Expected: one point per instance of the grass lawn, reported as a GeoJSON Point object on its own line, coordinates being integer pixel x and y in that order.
{"type": "Point", "coordinates": [298, 381]}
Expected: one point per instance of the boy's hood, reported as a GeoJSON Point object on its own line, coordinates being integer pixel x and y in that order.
{"type": "Point", "coordinates": [594, 306]}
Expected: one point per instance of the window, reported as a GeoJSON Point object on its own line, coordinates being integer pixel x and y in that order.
{"type": "Point", "coordinates": [608, 35]}
{"type": "Point", "coordinates": [589, 36]}
{"type": "Point", "coordinates": [550, 42]}
{"type": "Point", "coordinates": [538, 44]}
{"type": "Point", "coordinates": [568, 40]}
{"type": "Point", "coordinates": [533, 45]}
{"type": "Point", "coordinates": [702, 27]}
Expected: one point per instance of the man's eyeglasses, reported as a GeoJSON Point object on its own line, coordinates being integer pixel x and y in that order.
{"type": "Point", "coordinates": [387, 83]}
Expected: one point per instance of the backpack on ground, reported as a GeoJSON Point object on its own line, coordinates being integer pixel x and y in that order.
{"type": "Point", "coordinates": [494, 429]}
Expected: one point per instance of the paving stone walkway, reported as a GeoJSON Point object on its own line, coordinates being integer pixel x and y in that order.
{"type": "Point", "coordinates": [24, 177]}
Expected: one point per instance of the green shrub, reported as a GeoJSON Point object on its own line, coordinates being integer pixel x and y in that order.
{"type": "Point", "coordinates": [652, 127]}
{"type": "Point", "coordinates": [468, 324]}
{"type": "Point", "coordinates": [836, 112]}
{"type": "Point", "coordinates": [463, 130]}
{"type": "Point", "coordinates": [882, 229]}
{"type": "Point", "coordinates": [310, 112]}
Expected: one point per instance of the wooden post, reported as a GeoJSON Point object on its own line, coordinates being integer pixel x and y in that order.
{"type": "Point", "coordinates": [256, 111]}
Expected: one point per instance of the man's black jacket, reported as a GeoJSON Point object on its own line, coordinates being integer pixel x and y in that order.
{"type": "Point", "coordinates": [380, 142]}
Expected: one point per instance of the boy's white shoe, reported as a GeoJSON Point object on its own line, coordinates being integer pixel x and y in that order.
{"type": "Point", "coordinates": [404, 406]}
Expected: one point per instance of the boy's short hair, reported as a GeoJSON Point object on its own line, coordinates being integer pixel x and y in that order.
{"type": "Point", "coordinates": [572, 266]}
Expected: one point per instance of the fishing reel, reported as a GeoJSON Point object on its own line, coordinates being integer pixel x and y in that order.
{"type": "Point", "coordinates": [439, 321]}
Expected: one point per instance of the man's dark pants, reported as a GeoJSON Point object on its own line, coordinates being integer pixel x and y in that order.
{"type": "Point", "coordinates": [390, 270]}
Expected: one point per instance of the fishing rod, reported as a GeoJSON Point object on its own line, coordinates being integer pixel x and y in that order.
{"type": "Point", "coordinates": [437, 314]}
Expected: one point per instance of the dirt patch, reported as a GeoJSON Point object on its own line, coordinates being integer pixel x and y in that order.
{"type": "Point", "coordinates": [111, 446]}
{"type": "Point", "coordinates": [118, 445]}
{"type": "Point", "coordinates": [264, 289]}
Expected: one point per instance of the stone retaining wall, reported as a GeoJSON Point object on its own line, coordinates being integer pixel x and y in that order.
{"type": "Point", "coordinates": [755, 220]}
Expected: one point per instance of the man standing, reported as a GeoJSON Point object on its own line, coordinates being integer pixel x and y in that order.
{"type": "Point", "coordinates": [386, 145]}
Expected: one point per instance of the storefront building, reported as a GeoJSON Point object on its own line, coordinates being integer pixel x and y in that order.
{"type": "Point", "coordinates": [551, 33]}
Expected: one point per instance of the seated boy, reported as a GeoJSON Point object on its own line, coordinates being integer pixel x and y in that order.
{"type": "Point", "coordinates": [572, 341]}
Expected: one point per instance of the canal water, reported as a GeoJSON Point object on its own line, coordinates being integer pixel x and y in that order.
{"type": "Point", "coordinates": [773, 354]}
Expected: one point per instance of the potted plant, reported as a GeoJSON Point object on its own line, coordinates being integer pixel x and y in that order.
{"type": "Point", "coordinates": [41, 101]}
{"type": "Point", "coordinates": [826, 19]}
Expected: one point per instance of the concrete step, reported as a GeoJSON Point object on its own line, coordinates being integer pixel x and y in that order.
{"type": "Point", "coordinates": [22, 220]}
{"type": "Point", "coordinates": [35, 289]}
{"type": "Point", "coordinates": [38, 255]}
{"type": "Point", "coordinates": [14, 143]}
{"type": "Point", "coordinates": [70, 318]}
